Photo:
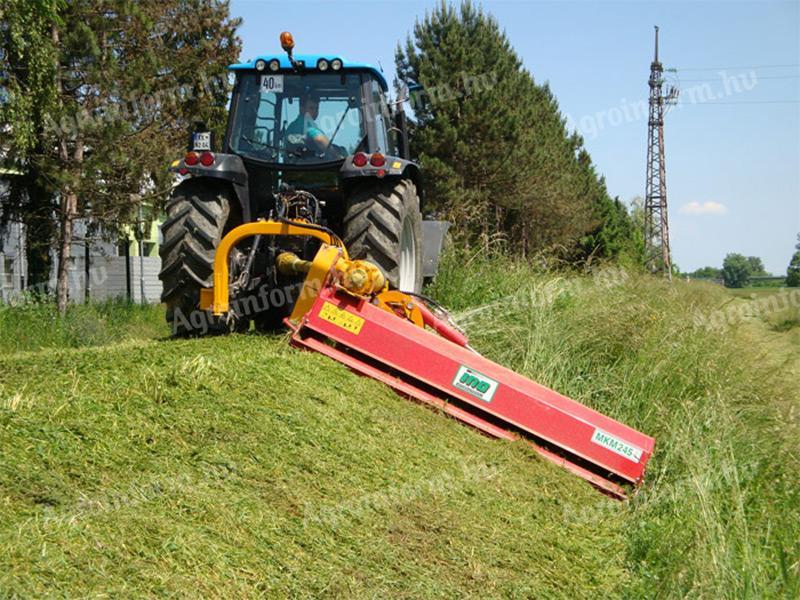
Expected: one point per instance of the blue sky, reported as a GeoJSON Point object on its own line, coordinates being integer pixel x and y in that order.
{"type": "Point", "coordinates": [732, 146]}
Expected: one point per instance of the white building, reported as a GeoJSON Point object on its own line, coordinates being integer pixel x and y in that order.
{"type": "Point", "coordinates": [112, 272]}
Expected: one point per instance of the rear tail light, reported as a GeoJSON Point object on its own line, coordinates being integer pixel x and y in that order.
{"type": "Point", "coordinates": [191, 158]}
{"type": "Point", "coordinates": [206, 159]}
{"type": "Point", "coordinates": [360, 159]}
{"type": "Point", "coordinates": [377, 160]}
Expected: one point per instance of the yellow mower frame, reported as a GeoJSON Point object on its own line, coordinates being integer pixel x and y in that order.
{"type": "Point", "coordinates": [355, 276]}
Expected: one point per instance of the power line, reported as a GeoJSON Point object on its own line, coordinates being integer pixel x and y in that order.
{"type": "Point", "coordinates": [794, 65]}
{"type": "Point", "coordinates": [745, 102]}
{"type": "Point", "coordinates": [759, 78]}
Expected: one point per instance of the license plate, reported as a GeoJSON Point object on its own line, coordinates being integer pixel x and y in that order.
{"type": "Point", "coordinates": [202, 141]}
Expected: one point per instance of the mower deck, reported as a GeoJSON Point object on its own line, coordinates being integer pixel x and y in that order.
{"type": "Point", "coordinates": [503, 404]}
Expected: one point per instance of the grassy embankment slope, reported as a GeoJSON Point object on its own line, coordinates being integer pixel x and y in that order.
{"type": "Point", "coordinates": [237, 465]}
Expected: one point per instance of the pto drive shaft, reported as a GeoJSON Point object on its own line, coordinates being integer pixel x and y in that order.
{"type": "Point", "coordinates": [356, 276]}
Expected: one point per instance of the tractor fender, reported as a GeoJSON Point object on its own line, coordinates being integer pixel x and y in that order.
{"type": "Point", "coordinates": [227, 167]}
{"type": "Point", "coordinates": [394, 167]}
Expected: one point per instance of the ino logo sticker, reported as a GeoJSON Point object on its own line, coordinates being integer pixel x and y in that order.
{"type": "Point", "coordinates": [475, 383]}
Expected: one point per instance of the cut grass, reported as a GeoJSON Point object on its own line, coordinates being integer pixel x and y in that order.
{"type": "Point", "coordinates": [238, 466]}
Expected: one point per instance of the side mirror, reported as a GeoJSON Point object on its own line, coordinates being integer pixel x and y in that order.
{"type": "Point", "coordinates": [402, 97]}
{"type": "Point", "coordinates": [405, 92]}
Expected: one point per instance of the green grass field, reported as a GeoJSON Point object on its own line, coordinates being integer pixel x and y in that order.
{"type": "Point", "coordinates": [237, 466]}
{"type": "Point", "coordinates": [750, 292]}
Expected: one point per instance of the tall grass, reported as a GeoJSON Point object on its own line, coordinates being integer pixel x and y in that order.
{"type": "Point", "coordinates": [236, 466]}
{"type": "Point", "coordinates": [718, 516]}
{"type": "Point", "coordinates": [36, 325]}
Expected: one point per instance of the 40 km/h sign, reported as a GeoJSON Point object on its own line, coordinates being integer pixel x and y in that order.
{"type": "Point", "coordinates": [272, 84]}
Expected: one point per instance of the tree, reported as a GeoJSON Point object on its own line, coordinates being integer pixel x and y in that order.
{"type": "Point", "coordinates": [498, 156]}
{"type": "Point", "coordinates": [101, 94]}
{"type": "Point", "coordinates": [736, 270]}
{"type": "Point", "coordinates": [756, 267]}
{"type": "Point", "coordinates": [26, 76]}
{"type": "Point", "coordinates": [454, 127]}
{"type": "Point", "coordinates": [706, 273]}
{"type": "Point", "coordinates": [614, 233]}
{"type": "Point", "coordinates": [793, 271]}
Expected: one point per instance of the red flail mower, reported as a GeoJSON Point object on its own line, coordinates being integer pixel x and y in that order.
{"type": "Point", "coordinates": [346, 311]}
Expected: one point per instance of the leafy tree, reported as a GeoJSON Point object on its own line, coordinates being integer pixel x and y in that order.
{"type": "Point", "coordinates": [499, 159]}
{"type": "Point", "coordinates": [100, 96]}
{"type": "Point", "coordinates": [706, 273]}
{"type": "Point", "coordinates": [736, 270]}
{"type": "Point", "coordinates": [793, 271]}
{"type": "Point", "coordinates": [27, 71]}
{"type": "Point", "coordinates": [756, 267]}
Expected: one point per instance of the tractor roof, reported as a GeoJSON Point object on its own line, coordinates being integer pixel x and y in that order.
{"type": "Point", "coordinates": [310, 61]}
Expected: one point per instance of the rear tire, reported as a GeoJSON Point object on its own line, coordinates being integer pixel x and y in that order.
{"type": "Point", "coordinates": [383, 224]}
{"type": "Point", "coordinates": [197, 214]}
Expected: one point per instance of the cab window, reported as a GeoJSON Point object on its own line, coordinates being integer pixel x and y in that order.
{"type": "Point", "coordinates": [292, 118]}
{"type": "Point", "coordinates": [386, 139]}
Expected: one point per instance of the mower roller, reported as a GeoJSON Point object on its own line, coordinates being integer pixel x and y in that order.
{"type": "Point", "coordinates": [346, 311]}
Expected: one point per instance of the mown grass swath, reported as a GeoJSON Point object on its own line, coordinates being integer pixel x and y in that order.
{"type": "Point", "coordinates": [237, 465]}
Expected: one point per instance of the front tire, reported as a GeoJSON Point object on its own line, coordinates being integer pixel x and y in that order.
{"type": "Point", "coordinates": [383, 224]}
{"type": "Point", "coordinates": [197, 215]}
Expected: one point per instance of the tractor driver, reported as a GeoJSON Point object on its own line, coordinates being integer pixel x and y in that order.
{"type": "Point", "coordinates": [303, 135]}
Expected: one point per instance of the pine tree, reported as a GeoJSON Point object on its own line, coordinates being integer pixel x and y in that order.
{"type": "Point", "coordinates": [499, 159]}
{"type": "Point", "coordinates": [466, 131]}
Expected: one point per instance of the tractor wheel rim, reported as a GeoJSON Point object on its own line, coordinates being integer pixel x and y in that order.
{"type": "Point", "coordinates": [408, 258]}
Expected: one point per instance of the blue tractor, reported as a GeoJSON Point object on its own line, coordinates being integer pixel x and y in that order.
{"type": "Point", "coordinates": [311, 138]}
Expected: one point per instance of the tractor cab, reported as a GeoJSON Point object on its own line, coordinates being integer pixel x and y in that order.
{"type": "Point", "coordinates": [312, 114]}
{"type": "Point", "coordinates": [319, 123]}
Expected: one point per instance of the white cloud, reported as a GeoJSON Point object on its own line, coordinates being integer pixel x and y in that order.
{"type": "Point", "coordinates": [703, 208]}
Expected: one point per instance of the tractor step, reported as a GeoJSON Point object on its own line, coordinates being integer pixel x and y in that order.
{"type": "Point", "coordinates": [503, 404]}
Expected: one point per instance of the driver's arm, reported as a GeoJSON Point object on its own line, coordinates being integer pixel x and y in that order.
{"type": "Point", "coordinates": [318, 140]}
